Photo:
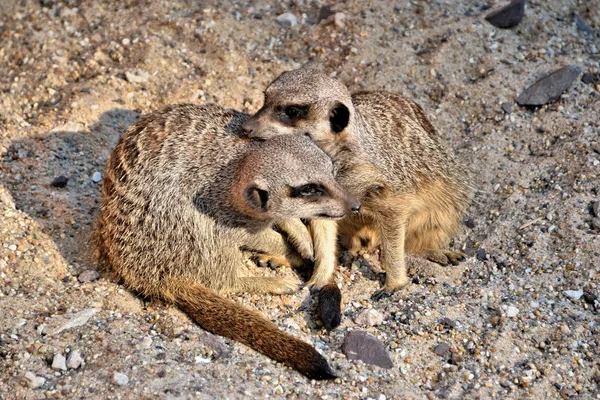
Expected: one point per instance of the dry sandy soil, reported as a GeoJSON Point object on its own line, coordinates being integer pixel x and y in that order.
{"type": "Point", "coordinates": [519, 315]}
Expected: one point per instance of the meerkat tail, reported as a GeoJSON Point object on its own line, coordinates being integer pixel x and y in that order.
{"type": "Point", "coordinates": [329, 306]}
{"type": "Point", "coordinates": [226, 318]}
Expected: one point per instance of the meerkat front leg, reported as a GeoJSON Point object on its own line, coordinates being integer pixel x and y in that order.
{"type": "Point", "coordinates": [270, 248]}
{"type": "Point", "coordinates": [324, 236]}
{"type": "Point", "coordinates": [393, 235]}
{"type": "Point", "coordinates": [298, 235]}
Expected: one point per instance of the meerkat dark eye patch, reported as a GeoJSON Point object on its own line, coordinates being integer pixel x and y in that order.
{"type": "Point", "coordinates": [289, 114]}
{"type": "Point", "coordinates": [339, 117]}
{"type": "Point", "coordinates": [257, 198]}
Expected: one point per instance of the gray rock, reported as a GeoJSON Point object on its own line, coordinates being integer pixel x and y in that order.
{"type": "Point", "coordinates": [60, 181]}
{"type": "Point", "coordinates": [88, 276]}
{"type": "Point", "coordinates": [97, 177]}
{"type": "Point", "coordinates": [512, 311]}
{"type": "Point", "coordinates": [219, 347]}
{"type": "Point", "coordinates": [441, 349]}
{"type": "Point", "coordinates": [75, 360]}
{"type": "Point", "coordinates": [34, 381]}
{"type": "Point", "coordinates": [549, 88]}
{"type": "Point", "coordinates": [481, 254]}
{"type": "Point", "coordinates": [120, 379]}
{"type": "Point", "coordinates": [596, 208]}
{"type": "Point", "coordinates": [583, 26]}
{"type": "Point", "coordinates": [287, 19]}
{"type": "Point", "coordinates": [574, 294]}
{"type": "Point", "coordinates": [589, 78]}
{"type": "Point", "coordinates": [369, 317]}
{"type": "Point", "coordinates": [59, 362]}
{"type": "Point", "coordinates": [508, 16]}
{"type": "Point", "coordinates": [506, 107]}
{"type": "Point", "coordinates": [359, 345]}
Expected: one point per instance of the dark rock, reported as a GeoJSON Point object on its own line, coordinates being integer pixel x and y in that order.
{"type": "Point", "coordinates": [595, 208]}
{"type": "Point", "coordinates": [455, 359]}
{"type": "Point", "coordinates": [88, 276]}
{"type": "Point", "coordinates": [441, 349]}
{"type": "Point", "coordinates": [59, 181]}
{"type": "Point", "coordinates": [588, 78]}
{"type": "Point", "coordinates": [448, 323]}
{"type": "Point", "coordinates": [507, 16]}
{"type": "Point", "coordinates": [219, 347]}
{"type": "Point", "coordinates": [582, 26]}
{"type": "Point", "coordinates": [506, 107]}
{"type": "Point", "coordinates": [359, 345]}
{"type": "Point", "coordinates": [481, 254]}
{"type": "Point", "coordinates": [549, 88]}
{"type": "Point", "coordinates": [591, 299]}
{"type": "Point", "coordinates": [324, 13]}
{"type": "Point", "coordinates": [470, 222]}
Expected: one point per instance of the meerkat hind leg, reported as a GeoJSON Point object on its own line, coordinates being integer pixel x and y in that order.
{"type": "Point", "coordinates": [443, 257]}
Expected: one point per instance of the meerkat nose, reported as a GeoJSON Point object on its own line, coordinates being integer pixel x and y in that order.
{"type": "Point", "coordinates": [355, 207]}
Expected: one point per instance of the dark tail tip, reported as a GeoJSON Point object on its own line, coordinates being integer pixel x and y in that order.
{"type": "Point", "coordinates": [317, 368]}
{"type": "Point", "coordinates": [329, 306]}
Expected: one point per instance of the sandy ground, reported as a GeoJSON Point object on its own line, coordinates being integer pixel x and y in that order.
{"type": "Point", "coordinates": [74, 74]}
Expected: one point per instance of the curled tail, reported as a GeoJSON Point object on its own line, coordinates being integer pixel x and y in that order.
{"type": "Point", "coordinates": [226, 318]}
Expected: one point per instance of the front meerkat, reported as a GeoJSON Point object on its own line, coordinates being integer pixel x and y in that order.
{"type": "Point", "coordinates": [387, 154]}
{"type": "Point", "coordinates": [183, 195]}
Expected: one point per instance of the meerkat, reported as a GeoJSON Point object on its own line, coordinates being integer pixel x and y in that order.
{"type": "Point", "coordinates": [183, 194]}
{"type": "Point", "coordinates": [413, 190]}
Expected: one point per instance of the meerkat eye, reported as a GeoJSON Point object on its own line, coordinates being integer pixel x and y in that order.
{"type": "Point", "coordinates": [292, 113]}
{"type": "Point", "coordinates": [309, 190]}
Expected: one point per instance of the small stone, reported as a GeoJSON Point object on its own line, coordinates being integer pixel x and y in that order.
{"type": "Point", "coordinates": [508, 16]}
{"type": "Point", "coordinates": [60, 181]}
{"type": "Point", "coordinates": [596, 208]}
{"type": "Point", "coordinates": [512, 311]}
{"type": "Point", "coordinates": [470, 222]}
{"type": "Point", "coordinates": [574, 294]}
{"type": "Point", "coordinates": [370, 317]}
{"type": "Point", "coordinates": [146, 342]}
{"type": "Point", "coordinates": [219, 347]}
{"type": "Point", "coordinates": [88, 276]}
{"type": "Point", "coordinates": [288, 19]}
{"type": "Point", "coordinates": [120, 379]}
{"type": "Point", "coordinates": [549, 88]}
{"type": "Point", "coordinates": [76, 320]}
{"type": "Point", "coordinates": [359, 345]}
{"type": "Point", "coordinates": [583, 26]}
{"type": "Point", "coordinates": [96, 177]}
{"type": "Point", "coordinates": [59, 362]}
{"type": "Point", "coordinates": [441, 349]}
{"type": "Point", "coordinates": [34, 381]}
{"type": "Point", "coordinates": [506, 107]}
{"type": "Point", "coordinates": [589, 78]}
{"type": "Point", "coordinates": [449, 324]}
{"type": "Point", "coordinates": [138, 76]}
{"type": "Point", "coordinates": [75, 360]}
{"type": "Point", "coordinates": [481, 254]}
{"type": "Point", "coordinates": [564, 329]}
{"type": "Point", "coordinates": [324, 13]}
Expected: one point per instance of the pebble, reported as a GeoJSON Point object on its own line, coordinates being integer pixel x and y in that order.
{"type": "Point", "coordinates": [60, 181]}
{"type": "Point", "coordinates": [549, 88]}
{"type": "Point", "coordinates": [441, 349]}
{"type": "Point", "coordinates": [75, 360]}
{"type": "Point", "coordinates": [589, 78]}
{"type": "Point", "coordinates": [34, 381]}
{"type": "Point", "coordinates": [508, 16]}
{"type": "Point", "coordinates": [88, 276]}
{"type": "Point", "coordinates": [146, 342]}
{"type": "Point", "coordinates": [138, 76]}
{"type": "Point", "coordinates": [370, 317]}
{"type": "Point", "coordinates": [219, 347]}
{"type": "Point", "coordinates": [481, 254]}
{"type": "Point", "coordinates": [512, 311]}
{"type": "Point", "coordinates": [97, 177]}
{"type": "Point", "coordinates": [506, 107]}
{"type": "Point", "coordinates": [120, 379]}
{"type": "Point", "coordinates": [583, 26]}
{"type": "Point", "coordinates": [78, 319]}
{"type": "Point", "coordinates": [59, 362]}
{"type": "Point", "coordinates": [288, 19]}
{"type": "Point", "coordinates": [359, 345]}
{"type": "Point", "coordinates": [574, 294]}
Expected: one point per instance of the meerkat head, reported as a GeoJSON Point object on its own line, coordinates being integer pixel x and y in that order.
{"type": "Point", "coordinates": [303, 102]}
{"type": "Point", "coordinates": [290, 177]}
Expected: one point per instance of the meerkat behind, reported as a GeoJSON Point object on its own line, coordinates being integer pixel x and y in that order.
{"type": "Point", "coordinates": [414, 192]}
{"type": "Point", "coordinates": [183, 195]}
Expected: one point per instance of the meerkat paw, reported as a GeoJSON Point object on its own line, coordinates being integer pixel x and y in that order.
{"type": "Point", "coordinates": [270, 260]}
{"type": "Point", "coordinates": [390, 288]}
{"type": "Point", "coordinates": [285, 286]}
{"type": "Point", "coordinates": [444, 257]}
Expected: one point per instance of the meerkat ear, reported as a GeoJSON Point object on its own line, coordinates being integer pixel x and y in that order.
{"type": "Point", "coordinates": [257, 198]}
{"type": "Point", "coordinates": [339, 116]}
